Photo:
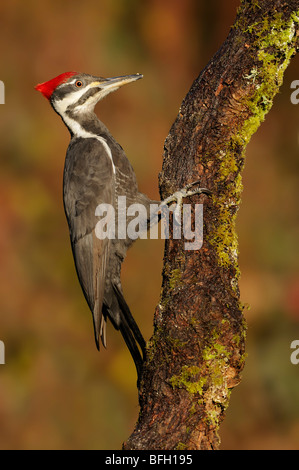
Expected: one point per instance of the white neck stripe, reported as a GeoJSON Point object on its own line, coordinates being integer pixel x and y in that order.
{"type": "Point", "coordinates": [78, 131]}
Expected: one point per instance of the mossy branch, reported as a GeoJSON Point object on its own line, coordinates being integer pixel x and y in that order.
{"type": "Point", "coordinates": [197, 351]}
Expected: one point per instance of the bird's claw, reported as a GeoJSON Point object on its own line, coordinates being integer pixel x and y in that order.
{"type": "Point", "coordinates": [178, 197]}
{"type": "Point", "coordinates": [186, 192]}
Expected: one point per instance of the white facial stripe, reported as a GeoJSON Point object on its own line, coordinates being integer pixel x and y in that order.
{"type": "Point", "coordinates": [105, 91]}
{"type": "Point", "coordinates": [68, 83]}
{"type": "Point", "coordinates": [62, 105]}
{"type": "Point", "coordinates": [88, 104]}
{"type": "Point", "coordinates": [72, 82]}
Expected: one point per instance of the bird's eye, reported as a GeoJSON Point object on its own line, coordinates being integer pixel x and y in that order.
{"type": "Point", "coordinates": [78, 83]}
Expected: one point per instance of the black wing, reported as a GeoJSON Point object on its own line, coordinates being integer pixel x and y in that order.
{"type": "Point", "coordinates": [88, 182]}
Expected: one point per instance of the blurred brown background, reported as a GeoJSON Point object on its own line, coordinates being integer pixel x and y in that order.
{"type": "Point", "coordinates": [56, 390]}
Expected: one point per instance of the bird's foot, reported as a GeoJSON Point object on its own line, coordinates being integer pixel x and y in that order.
{"type": "Point", "coordinates": [178, 197]}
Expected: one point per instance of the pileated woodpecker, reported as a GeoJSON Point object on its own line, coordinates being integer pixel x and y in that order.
{"type": "Point", "coordinates": [97, 171]}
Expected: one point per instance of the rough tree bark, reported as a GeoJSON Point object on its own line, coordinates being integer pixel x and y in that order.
{"type": "Point", "coordinates": [196, 353]}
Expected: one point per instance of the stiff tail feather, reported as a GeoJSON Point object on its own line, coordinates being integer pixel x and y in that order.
{"type": "Point", "coordinates": [130, 332]}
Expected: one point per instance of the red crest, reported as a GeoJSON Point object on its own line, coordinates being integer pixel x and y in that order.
{"type": "Point", "coordinates": [47, 88]}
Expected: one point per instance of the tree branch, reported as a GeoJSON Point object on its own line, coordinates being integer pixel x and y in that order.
{"type": "Point", "coordinates": [196, 353]}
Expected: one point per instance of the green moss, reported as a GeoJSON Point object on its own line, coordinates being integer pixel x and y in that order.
{"type": "Point", "coordinates": [275, 48]}
{"type": "Point", "coordinates": [175, 343]}
{"type": "Point", "coordinates": [186, 380]}
{"type": "Point", "coordinates": [181, 446]}
{"type": "Point", "coordinates": [216, 357]}
{"type": "Point", "coordinates": [209, 384]}
{"type": "Point", "coordinates": [213, 417]}
{"type": "Point", "coordinates": [224, 238]}
{"type": "Point", "coordinates": [175, 278]}
{"type": "Point", "coordinates": [237, 340]}
{"type": "Point", "coordinates": [274, 45]}
{"type": "Point", "coordinates": [274, 42]}
{"type": "Point", "coordinates": [216, 351]}
{"type": "Point", "coordinates": [193, 410]}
